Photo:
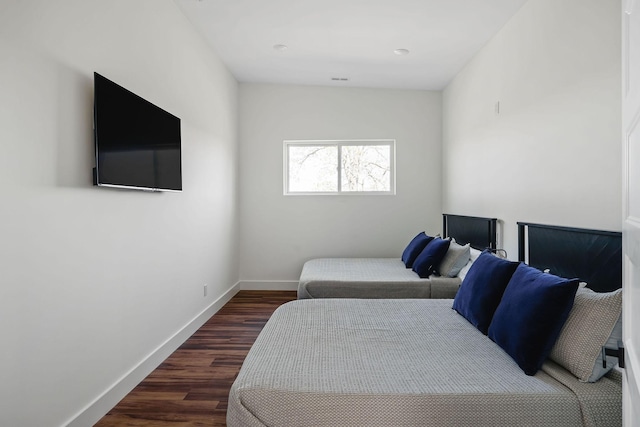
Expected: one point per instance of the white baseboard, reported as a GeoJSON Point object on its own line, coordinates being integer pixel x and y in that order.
{"type": "Point", "coordinates": [107, 400]}
{"type": "Point", "coordinates": [268, 285]}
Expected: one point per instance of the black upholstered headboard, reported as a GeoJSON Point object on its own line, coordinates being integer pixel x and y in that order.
{"type": "Point", "coordinates": [594, 256]}
{"type": "Point", "coordinates": [480, 232]}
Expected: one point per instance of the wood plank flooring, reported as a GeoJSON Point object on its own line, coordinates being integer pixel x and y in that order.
{"type": "Point", "coordinates": [191, 387]}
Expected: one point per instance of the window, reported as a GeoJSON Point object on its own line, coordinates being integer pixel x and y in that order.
{"type": "Point", "coordinates": [339, 167]}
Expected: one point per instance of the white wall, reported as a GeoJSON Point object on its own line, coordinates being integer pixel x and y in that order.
{"type": "Point", "coordinates": [552, 154]}
{"type": "Point", "coordinates": [94, 280]}
{"type": "Point", "coordinates": [279, 233]}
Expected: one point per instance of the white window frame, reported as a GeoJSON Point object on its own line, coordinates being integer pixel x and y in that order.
{"type": "Point", "coordinates": [391, 143]}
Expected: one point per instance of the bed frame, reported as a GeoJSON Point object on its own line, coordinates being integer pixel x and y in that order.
{"type": "Point", "coordinates": [480, 232]}
{"type": "Point", "coordinates": [594, 256]}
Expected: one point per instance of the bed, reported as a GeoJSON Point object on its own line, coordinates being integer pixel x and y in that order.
{"type": "Point", "coordinates": [389, 277]}
{"type": "Point", "coordinates": [404, 362]}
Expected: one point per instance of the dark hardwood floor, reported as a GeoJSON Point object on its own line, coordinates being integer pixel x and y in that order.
{"type": "Point", "coordinates": [191, 387]}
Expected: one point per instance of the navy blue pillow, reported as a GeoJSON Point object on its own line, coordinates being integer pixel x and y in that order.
{"type": "Point", "coordinates": [533, 310]}
{"type": "Point", "coordinates": [430, 257]}
{"type": "Point", "coordinates": [482, 289]}
{"type": "Point", "coordinates": [414, 248]}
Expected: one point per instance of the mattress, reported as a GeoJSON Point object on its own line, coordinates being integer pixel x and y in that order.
{"type": "Point", "coordinates": [369, 278]}
{"type": "Point", "coordinates": [363, 362]}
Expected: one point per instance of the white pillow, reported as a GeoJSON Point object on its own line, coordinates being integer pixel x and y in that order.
{"type": "Point", "coordinates": [473, 255]}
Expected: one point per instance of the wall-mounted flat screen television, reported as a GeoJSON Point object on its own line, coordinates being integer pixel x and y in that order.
{"type": "Point", "coordinates": [137, 144]}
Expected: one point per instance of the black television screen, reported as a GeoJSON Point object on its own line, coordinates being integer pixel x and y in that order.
{"type": "Point", "coordinates": [137, 143]}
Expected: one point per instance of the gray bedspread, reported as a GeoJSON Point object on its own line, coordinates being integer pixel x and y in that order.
{"type": "Point", "coordinates": [369, 278]}
{"type": "Point", "coordinates": [348, 362]}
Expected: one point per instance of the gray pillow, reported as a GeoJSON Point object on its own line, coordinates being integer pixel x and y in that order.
{"type": "Point", "coordinates": [457, 256]}
{"type": "Point", "coordinates": [594, 321]}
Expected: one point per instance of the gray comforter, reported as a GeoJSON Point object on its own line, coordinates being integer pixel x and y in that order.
{"type": "Point", "coordinates": [369, 278]}
{"type": "Point", "coordinates": [346, 362]}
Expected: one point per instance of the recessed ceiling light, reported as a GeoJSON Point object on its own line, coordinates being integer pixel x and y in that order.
{"type": "Point", "coordinates": [401, 51]}
{"type": "Point", "coordinates": [280, 47]}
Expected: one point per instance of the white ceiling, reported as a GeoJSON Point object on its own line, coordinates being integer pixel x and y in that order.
{"type": "Point", "coordinates": [352, 39]}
